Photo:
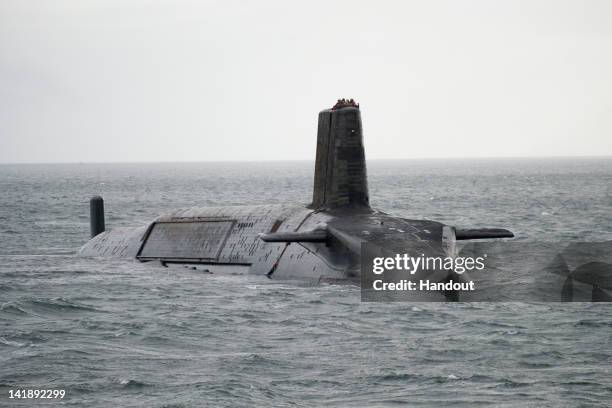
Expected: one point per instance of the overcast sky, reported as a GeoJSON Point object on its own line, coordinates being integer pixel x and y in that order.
{"type": "Point", "coordinates": [98, 81]}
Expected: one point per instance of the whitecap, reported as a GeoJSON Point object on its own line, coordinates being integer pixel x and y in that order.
{"type": "Point", "coordinates": [11, 343]}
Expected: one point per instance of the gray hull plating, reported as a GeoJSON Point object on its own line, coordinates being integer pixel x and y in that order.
{"type": "Point", "coordinates": [231, 236]}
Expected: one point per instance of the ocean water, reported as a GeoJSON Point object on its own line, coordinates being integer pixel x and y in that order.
{"type": "Point", "coordinates": [121, 333]}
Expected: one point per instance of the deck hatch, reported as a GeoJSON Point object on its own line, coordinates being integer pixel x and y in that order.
{"type": "Point", "coordinates": [196, 240]}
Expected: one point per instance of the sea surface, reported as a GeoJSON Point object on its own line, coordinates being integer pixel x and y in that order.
{"type": "Point", "coordinates": [117, 333]}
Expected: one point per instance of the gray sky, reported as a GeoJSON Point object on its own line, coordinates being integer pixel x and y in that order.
{"type": "Point", "coordinates": [94, 81]}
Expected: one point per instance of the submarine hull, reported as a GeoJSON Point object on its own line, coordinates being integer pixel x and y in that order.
{"type": "Point", "coordinates": [232, 236]}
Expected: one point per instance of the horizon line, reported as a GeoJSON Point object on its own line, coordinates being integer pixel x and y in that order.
{"type": "Point", "coordinates": [307, 160]}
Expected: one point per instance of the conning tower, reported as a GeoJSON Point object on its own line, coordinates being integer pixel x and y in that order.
{"type": "Point", "coordinates": [340, 169]}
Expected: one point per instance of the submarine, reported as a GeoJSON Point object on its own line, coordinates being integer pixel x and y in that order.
{"type": "Point", "coordinates": [319, 242]}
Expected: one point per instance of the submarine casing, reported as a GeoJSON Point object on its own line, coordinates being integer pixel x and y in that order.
{"type": "Point", "coordinates": [231, 236]}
